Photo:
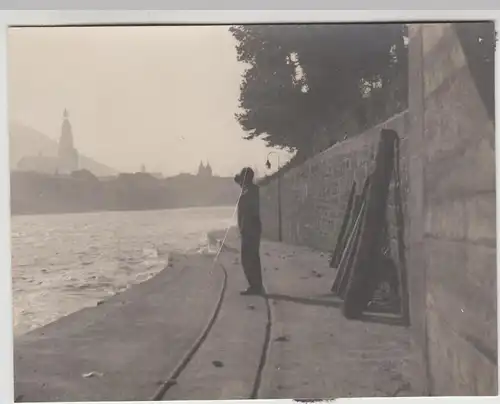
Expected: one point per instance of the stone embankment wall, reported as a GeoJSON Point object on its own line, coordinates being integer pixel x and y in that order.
{"type": "Point", "coordinates": [315, 194]}
{"type": "Point", "coordinates": [447, 172]}
{"type": "Point", "coordinates": [452, 188]}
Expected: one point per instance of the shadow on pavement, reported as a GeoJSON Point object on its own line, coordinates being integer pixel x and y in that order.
{"type": "Point", "coordinates": [376, 318]}
{"type": "Point", "coordinates": [369, 317]}
{"type": "Point", "coordinates": [304, 300]}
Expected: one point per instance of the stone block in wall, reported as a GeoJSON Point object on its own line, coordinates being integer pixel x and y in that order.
{"type": "Point", "coordinates": [466, 172]}
{"type": "Point", "coordinates": [480, 219]}
{"type": "Point", "coordinates": [458, 206]}
{"type": "Point", "coordinates": [443, 56]}
{"type": "Point", "coordinates": [456, 120]}
{"type": "Point", "coordinates": [481, 272]}
{"type": "Point", "coordinates": [459, 369]}
{"type": "Point", "coordinates": [452, 291]}
{"type": "Point", "coordinates": [442, 220]}
{"type": "Point", "coordinates": [432, 34]}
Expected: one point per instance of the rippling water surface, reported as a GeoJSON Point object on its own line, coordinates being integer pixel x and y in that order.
{"type": "Point", "coordinates": [63, 263]}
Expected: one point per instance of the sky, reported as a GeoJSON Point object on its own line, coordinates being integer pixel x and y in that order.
{"type": "Point", "coordinates": [160, 96]}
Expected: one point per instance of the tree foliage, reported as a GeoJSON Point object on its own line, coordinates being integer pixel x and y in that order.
{"type": "Point", "coordinates": [303, 77]}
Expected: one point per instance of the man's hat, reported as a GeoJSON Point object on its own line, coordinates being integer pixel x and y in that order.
{"type": "Point", "coordinates": [245, 175]}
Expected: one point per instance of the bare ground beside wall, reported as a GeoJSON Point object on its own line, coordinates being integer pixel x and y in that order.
{"type": "Point", "coordinates": [447, 170]}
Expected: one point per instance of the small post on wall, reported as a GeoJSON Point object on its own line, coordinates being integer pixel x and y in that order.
{"type": "Point", "coordinates": [268, 165]}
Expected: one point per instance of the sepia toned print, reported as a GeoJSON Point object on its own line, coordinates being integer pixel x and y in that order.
{"type": "Point", "coordinates": [296, 211]}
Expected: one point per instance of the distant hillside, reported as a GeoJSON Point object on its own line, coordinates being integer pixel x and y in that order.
{"type": "Point", "coordinates": [25, 141]}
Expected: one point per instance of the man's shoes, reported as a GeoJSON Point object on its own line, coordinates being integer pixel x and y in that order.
{"type": "Point", "coordinates": [253, 291]}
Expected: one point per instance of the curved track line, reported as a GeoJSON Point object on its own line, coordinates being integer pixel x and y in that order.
{"type": "Point", "coordinates": [196, 346]}
{"type": "Point", "coordinates": [181, 366]}
{"type": "Point", "coordinates": [171, 380]}
{"type": "Point", "coordinates": [264, 353]}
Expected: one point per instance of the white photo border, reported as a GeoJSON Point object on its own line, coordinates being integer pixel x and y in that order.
{"type": "Point", "coordinates": [147, 12]}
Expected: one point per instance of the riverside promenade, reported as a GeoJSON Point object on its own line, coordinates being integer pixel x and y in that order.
{"type": "Point", "coordinates": [187, 334]}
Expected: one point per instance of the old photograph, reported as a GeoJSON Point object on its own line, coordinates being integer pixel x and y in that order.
{"type": "Point", "coordinates": [205, 212]}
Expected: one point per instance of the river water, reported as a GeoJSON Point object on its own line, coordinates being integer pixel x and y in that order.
{"type": "Point", "coordinates": [63, 263]}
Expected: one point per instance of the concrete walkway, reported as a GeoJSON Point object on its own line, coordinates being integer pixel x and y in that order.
{"type": "Point", "coordinates": [124, 348]}
{"type": "Point", "coordinates": [315, 352]}
{"type": "Point", "coordinates": [294, 344]}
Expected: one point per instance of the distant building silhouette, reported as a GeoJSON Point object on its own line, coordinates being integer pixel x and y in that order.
{"type": "Point", "coordinates": [39, 163]}
{"type": "Point", "coordinates": [204, 171]}
{"type": "Point", "coordinates": [157, 175]}
{"type": "Point", "coordinates": [64, 163]}
{"type": "Point", "coordinates": [67, 154]}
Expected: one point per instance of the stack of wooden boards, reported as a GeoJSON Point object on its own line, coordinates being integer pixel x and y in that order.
{"type": "Point", "coordinates": [361, 256]}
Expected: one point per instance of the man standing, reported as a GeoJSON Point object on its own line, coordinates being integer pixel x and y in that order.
{"type": "Point", "coordinates": [250, 228]}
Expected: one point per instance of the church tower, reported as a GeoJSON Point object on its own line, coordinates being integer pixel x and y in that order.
{"type": "Point", "coordinates": [208, 170]}
{"type": "Point", "coordinates": [204, 171]}
{"type": "Point", "coordinates": [67, 154]}
{"type": "Point", "coordinates": [201, 169]}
